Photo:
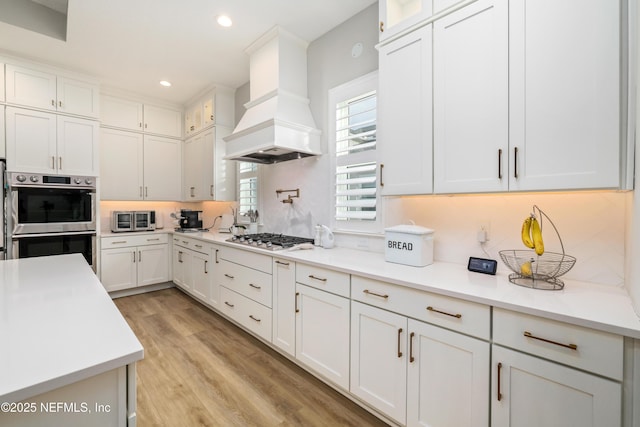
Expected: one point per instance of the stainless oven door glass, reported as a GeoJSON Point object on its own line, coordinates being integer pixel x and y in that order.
{"type": "Point", "coordinates": [51, 210]}
{"type": "Point", "coordinates": [142, 220]}
{"type": "Point", "coordinates": [56, 244]}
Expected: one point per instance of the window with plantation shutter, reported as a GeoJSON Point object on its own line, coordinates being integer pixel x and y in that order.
{"type": "Point", "coordinates": [354, 142]}
{"type": "Point", "coordinates": [247, 187]}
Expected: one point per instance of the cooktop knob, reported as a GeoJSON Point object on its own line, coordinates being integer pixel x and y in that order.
{"type": "Point", "coordinates": [21, 178]}
{"type": "Point", "coordinates": [34, 178]}
{"type": "Point", "coordinates": [88, 181]}
{"type": "Point", "coordinates": [77, 180]}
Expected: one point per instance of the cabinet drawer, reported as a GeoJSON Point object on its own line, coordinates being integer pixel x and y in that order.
{"type": "Point", "coordinates": [253, 316]}
{"type": "Point", "coordinates": [125, 240]}
{"type": "Point", "coordinates": [321, 278]}
{"type": "Point", "coordinates": [248, 258]}
{"type": "Point", "coordinates": [459, 315]}
{"type": "Point", "coordinates": [251, 283]}
{"type": "Point", "coordinates": [595, 351]}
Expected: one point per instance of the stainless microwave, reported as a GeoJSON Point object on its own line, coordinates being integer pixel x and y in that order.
{"type": "Point", "coordinates": [122, 221]}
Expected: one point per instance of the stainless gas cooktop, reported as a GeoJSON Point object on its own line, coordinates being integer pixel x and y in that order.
{"type": "Point", "coordinates": [269, 241]}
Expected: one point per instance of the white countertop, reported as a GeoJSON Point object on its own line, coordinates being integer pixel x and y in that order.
{"type": "Point", "coordinates": [601, 307]}
{"type": "Point", "coordinates": [58, 326]}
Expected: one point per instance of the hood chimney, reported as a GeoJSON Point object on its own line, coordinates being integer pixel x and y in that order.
{"type": "Point", "coordinates": [278, 124]}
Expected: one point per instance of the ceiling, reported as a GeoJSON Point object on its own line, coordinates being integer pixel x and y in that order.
{"type": "Point", "coordinates": [133, 44]}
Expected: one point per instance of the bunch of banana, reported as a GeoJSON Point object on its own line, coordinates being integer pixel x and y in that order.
{"type": "Point", "coordinates": [532, 235]}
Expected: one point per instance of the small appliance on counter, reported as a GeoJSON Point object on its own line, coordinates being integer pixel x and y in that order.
{"type": "Point", "coordinates": [409, 245]}
{"type": "Point", "coordinates": [123, 221]}
{"type": "Point", "coordinates": [190, 220]}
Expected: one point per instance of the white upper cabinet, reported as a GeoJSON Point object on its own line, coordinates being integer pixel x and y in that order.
{"type": "Point", "coordinates": [121, 113]}
{"type": "Point", "coordinates": [121, 159]}
{"type": "Point", "coordinates": [43, 142]}
{"type": "Point", "coordinates": [398, 15]}
{"type": "Point", "coordinates": [564, 65]}
{"type": "Point", "coordinates": [44, 90]}
{"type": "Point", "coordinates": [2, 80]}
{"type": "Point", "coordinates": [405, 114]}
{"type": "Point", "coordinates": [126, 114]}
{"type": "Point", "coordinates": [162, 121]}
{"type": "Point", "coordinates": [216, 107]}
{"type": "Point", "coordinates": [470, 96]}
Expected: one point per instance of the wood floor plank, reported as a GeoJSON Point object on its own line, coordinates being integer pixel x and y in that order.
{"type": "Point", "coordinates": [201, 370]}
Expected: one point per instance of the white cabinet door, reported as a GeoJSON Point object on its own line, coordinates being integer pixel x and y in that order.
{"type": "Point", "coordinates": [398, 15]}
{"type": "Point", "coordinates": [201, 286]}
{"type": "Point", "coordinates": [118, 268]}
{"type": "Point", "coordinates": [162, 171]}
{"type": "Point", "coordinates": [120, 113]}
{"type": "Point", "coordinates": [195, 160]}
{"type": "Point", "coordinates": [215, 280]}
{"type": "Point", "coordinates": [564, 77]}
{"type": "Point", "coordinates": [448, 378]}
{"type": "Point", "coordinates": [379, 359]}
{"type": "Point", "coordinates": [220, 183]}
{"type": "Point", "coordinates": [405, 114]}
{"type": "Point", "coordinates": [121, 160]}
{"type": "Point", "coordinates": [3, 145]}
{"type": "Point", "coordinates": [31, 141]}
{"type": "Point", "coordinates": [162, 121]}
{"type": "Point", "coordinates": [182, 260]}
{"type": "Point", "coordinates": [470, 95]}
{"type": "Point", "coordinates": [30, 87]}
{"type": "Point", "coordinates": [531, 392]}
{"type": "Point", "coordinates": [77, 146]}
{"type": "Point", "coordinates": [322, 334]}
{"type": "Point", "coordinates": [284, 305]}
{"type": "Point", "coordinates": [153, 264]}
{"type": "Point", "coordinates": [78, 97]}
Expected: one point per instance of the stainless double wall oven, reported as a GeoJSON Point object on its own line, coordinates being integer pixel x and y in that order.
{"type": "Point", "coordinates": [51, 215]}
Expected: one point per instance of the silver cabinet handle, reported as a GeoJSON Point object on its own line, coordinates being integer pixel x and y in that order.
{"type": "Point", "coordinates": [139, 256]}
{"type": "Point", "coordinates": [211, 190]}
{"type": "Point", "coordinates": [500, 163]}
{"type": "Point", "coordinates": [146, 191]}
{"type": "Point", "coordinates": [399, 349]}
{"type": "Point", "coordinates": [205, 268]}
{"type": "Point", "coordinates": [282, 263]}
{"type": "Point", "coordinates": [217, 262]}
{"type": "Point", "coordinates": [255, 286]}
{"type": "Point", "coordinates": [153, 240]}
{"type": "Point", "coordinates": [515, 162]}
{"type": "Point", "coordinates": [311, 276]}
{"type": "Point", "coordinates": [53, 162]}
{"type": "Point", "coordinates": [134, 256]}
{"type": "Point", "coordinates": [119, 242]}
{"type": "Point", "coordinates": [53, 102]}
{"type": "Point", "coordinates": [229, 304]}
{"type": "Point", "coordinates": [60, 104]}
{"type": "Point", "coordinates": [140, 191]}
{"type": "Point", "coordinates": [229, 276]}
{"type": "Point", "coordinates": [381, 181]}
{"type": "Point", "coordinates": [192, 191]}
{"type": "Point", "coordinates": [59, 162]}
{"type": "Point", "coordinates": [254, 318]}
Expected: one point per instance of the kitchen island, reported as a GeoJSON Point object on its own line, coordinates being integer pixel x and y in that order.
{"type": "Point", "coordinates": [67, 355]}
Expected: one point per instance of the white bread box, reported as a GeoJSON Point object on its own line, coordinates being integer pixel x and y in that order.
{"type": "Point", "coordinates": [409, 245]}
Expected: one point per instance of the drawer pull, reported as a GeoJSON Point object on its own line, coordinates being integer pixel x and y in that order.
{"type": "Point", "coordinates": [198, 246]}
{"type": "Point", "coordinates": [457, 316]}
{"type": "Point", "coordinates": [499, 393]}
{"type": "Point", "coordinates": [229, 276]}
{"type": "Point", "coordinates": [411, 358]}
{"type": "Point", "coordinates": [229, 304]}
{"type": "Point", "coordinates": [119, 242]}
{"type": "Point", "coordinates": [254, 318]}
{"type": "Point", "coordinates": [368, 292]}
{"type": "Point", "coordinates": [153, 240]}
{"type": "Point", "coordinates": [282, 263]}
{"type": "Point", "coordinates": [399, 333]}
{"type": "Point", "coordinates": [570, 346]}
{"type": "Point", "coordinates": [297, 295]}
{"type": "Point", "coordinates": [205, 267]}
{"type": "Point", "coordinates": [255, 286]}
{"type": "Point", "coordinates": [311, 276]}
{"type": "Point", "coordinates": [217, 262]}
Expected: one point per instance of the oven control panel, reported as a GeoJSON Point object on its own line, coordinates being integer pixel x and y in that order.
{"type": "Point", "coordinates": [16, 179]}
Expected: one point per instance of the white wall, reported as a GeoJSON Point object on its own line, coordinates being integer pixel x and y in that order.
{"type": "Point", "coordinates": [592, 224]}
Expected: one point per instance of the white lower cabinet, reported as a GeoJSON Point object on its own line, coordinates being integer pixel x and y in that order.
{"type": "Point", "coordinates": [130, 261]}
{"type": "Point", "coordinates": [284, 305]}
{"type": "Point", "coordinates": [533, 392]}
{"type": "Point", "coordinates": [417, 373]}
{"type": "Point", "coordinates": [322, 333]}
{"type": "Point", "coordinates": [584, 387]}
{"type": "Point", "coordinates": [246, 293]}
{"type": "Point", "coordinates": [194, 267]}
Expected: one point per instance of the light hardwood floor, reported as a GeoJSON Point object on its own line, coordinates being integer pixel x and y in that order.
{"type": "Point", "coordinates": [201, 370]}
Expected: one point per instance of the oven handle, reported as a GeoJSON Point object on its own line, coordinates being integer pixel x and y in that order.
{"type": "Point", "coordinates": [65, 233]}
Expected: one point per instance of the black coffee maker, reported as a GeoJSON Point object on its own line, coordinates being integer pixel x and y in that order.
{"type": "Point", "coordinates": [190, 219]}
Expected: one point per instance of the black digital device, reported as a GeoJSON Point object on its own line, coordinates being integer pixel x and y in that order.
{"type": "Point", "coordinates": [482, 265]}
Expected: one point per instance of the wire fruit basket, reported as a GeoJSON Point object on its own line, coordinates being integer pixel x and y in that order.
{"type": "Point", "coordinates": [542, 271]}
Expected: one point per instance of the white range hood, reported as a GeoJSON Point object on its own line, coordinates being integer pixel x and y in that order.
{"type": "Point", "coordinates": [277, 125]}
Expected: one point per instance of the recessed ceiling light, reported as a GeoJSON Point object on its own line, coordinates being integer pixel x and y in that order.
{"type": "Point", "coordinates": [224, 21]}
{"type": "Point", "coordinates": [165, 83]}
